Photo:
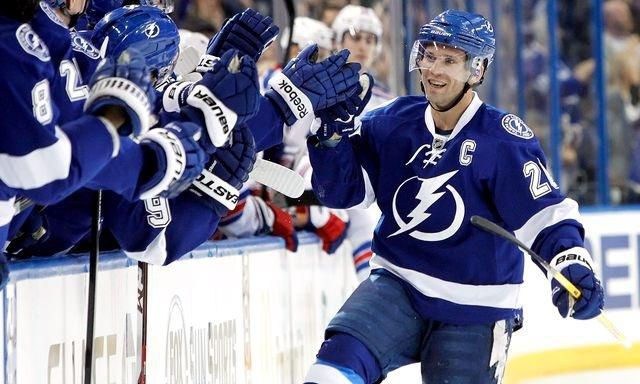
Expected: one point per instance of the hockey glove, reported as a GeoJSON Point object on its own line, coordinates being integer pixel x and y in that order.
{"type": "Point", "coordinates": [123, 83]}
{"type": "Point", "coordinates": [175, 157]}
{"type": "Point", "coordinates": [32, 231]}
{"type": "Point", "coordinates": [575, 265]}
{"type": "Point", "coordinates": [226, 96]}
{"type": "Point", "coordinates": [249, 32]}
{"type": "Point", "coordinates": [305, 86]}
{"type": "Point", "coordinates": [330, 225]}
{"type": "Point", "coordinates": [219, 183]}
{"type": "Point", "coordinates": [281, 225]}
{"type": "Point", "coordinates": [339, 120]}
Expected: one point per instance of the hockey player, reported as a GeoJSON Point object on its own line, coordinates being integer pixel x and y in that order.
{"type": "Point", "coordinates": [439, 285]}
{"type": "Point", "coordinates": [159, 242]}
{"type": "Point", "coordinates": [59, 146]}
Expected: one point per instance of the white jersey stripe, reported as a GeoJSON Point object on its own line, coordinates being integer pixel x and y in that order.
{"type": "Point", "coordinates": [39, 167]}
{"type": "Point", "coordinates": [155, 253]}
{"type": "Point", "coordinates": [566, 209]}
{"type": "Point", "coordinates": [496, 296]}
{"type": "Point", "coordinates": [7, 210]}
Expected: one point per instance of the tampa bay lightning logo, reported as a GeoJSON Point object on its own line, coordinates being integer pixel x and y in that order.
{"type": "Point", "coordinates": [515, 126]}
{"type": "Point", "coordinates": [152, 30]}
{"type": "Point", "coordinates": [80, 44]}
{"type": "Point", "coordinates": [429, 192]}
{"type": "Point", "coordinates": [31, 43]}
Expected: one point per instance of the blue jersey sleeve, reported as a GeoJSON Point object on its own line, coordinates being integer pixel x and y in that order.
{"type": "Point", "coordinates": [41, 158]}
{"type": "Point", "coordinates": [157, 230]}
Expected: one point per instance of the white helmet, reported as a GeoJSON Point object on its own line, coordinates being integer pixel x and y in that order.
{"type": "Point", "coordinates": [195, 39]}
{"type": "Point", "coordinates": [308, 31]}
{"type": "Point", "coordinates": [355, 18]}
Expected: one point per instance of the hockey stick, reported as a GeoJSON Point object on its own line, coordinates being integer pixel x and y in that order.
{"type": "Point", "coordinates": [277, 177]}
{"type": "Point", "coordinates": [143, 273]}
{"type": "Point", "coordinates": [93, 276]}
{"type": "Point", "coordinates": [497, 230]}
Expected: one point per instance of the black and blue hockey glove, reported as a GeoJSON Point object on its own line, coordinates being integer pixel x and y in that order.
{"type": "Point", "coordinates": [176, 159]}
{"type": "Point", "coordinates": [225, 97]}
{"type": "Point", "coordinates": [219, 183]}
{"type": "Point", "coordinates": [249, 32]}
{"type": "Point", "coordinates": [575, 265]}
{"type": "Point", "coordinates": [305, 86]}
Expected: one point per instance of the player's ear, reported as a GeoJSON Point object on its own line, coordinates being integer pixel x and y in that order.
{"type": "Point", "coordinates": [476, 75]}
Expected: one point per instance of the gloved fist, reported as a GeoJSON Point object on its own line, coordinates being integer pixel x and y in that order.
{"type": "Point", "coordinates": [249, 32]}
{"type": "Point", "coordinates": [305, 86]}
{"type": "Point", "coordinates": [575, 265]}
{"type": "Point", "coordinates": [33, 230]}
{"type": "Point", "coordinates": [124, 83]}
{"type": "Point", "coordinates": [282, 226]}
{"type": "Point", "coordinates": [219, 183]}
{"type": "Point", "coordinates": [330, 225]}
{"type": "Point", "coordinates": [339, 120]}
{"type": "Point", "coordinates": [179, 159]}
{"type": "Point", "coordinates": [225, 97]}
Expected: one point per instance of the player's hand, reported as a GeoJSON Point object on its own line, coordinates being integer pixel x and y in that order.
{"type": "Point", "coordinates": [124, 83]}
{"type": "Point", "coordinates": [330, 225]}
{"type": "Point", "coordinates": [219, 183]}
{"type": "Point", "coordinates": [575, 265]}
{"type": "Point", "coordinates": [249, 32]}
{"type": "Point", "coordinates": [339, 120]}
{"type": "Point", "coordinates": [305, 86]}
{"type": "Point", "coordinates": [282, 226]}
{"type": "Point", "coordinates": [226, 96]}
{"type": "Point", "coordinates": [179, 159]}
{"type": "Point", "coordinates": [33, 231]}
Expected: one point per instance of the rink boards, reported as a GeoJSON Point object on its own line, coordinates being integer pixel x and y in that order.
{"type": "Point", "coordinates": [248, 311]}
{"type": "Point", "coordinates": [241, 311]}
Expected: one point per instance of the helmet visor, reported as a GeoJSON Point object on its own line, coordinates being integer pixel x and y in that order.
{"type": "Point", "coordinates": [435, 57]}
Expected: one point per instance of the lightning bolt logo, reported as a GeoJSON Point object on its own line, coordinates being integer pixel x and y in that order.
{"type": "Point", "coordinates": [427, 196]}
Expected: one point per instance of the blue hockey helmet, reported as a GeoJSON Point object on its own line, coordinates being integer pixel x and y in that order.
{"type": "Point", "coordinates": [469, 32]}
{"type": "Point", "coordinates": [146, 28]}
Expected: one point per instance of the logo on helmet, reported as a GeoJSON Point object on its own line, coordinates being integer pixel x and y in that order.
{"type": "Point", "coordinates": [152, 30]}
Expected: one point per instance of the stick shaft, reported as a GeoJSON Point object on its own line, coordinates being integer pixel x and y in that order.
{"type": "Point", "coordinates": [497, 230]}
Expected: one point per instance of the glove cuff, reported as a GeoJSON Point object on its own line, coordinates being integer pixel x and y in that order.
{"type": "Point", "coordinates": [175, 158]}
{"type": "Point", "coordinates": [294, 99]}
{"type": "Point", "coordinates": [127, 95]}
{"type": "Point", "coordinates": [175, 96]}
{"type": "Point", "coordinates": [217, 189]}
{"type": "Point", "coordinates": [575, 255]}
{"type": "Point", "coordinates": [219, 119]}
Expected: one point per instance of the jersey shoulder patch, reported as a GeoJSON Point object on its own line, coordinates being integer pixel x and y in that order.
{"type": "Point", "coordinates": [82, 45]}
{"type": "Point", "coordinates": [515, 126]}
{"type": "Point", "coordinates": [31, 43]}
{"type": "Point", "coordinates": [51, 14]}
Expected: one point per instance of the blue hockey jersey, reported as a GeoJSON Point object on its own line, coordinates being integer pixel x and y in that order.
{"type": "Point", "coordinates": [48, 150]}
{"type": "Point", "coordinates": [428, 185]}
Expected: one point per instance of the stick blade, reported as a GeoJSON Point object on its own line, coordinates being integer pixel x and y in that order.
{"type": "Point", "coordinates": [278, 177]}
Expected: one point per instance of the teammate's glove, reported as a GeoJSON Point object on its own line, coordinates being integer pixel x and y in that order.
{"type": "Point", "coordinates": [225, 97]}
{"type": "Point", "coordinates": [575, 265]}
{"type": "Point", "coordinates": [123, 83]}
{"type": "Point", "coordinates": [219, 183]}
{"type": "Point", "coordinates": [305, 86]}
{"type": "Point", "coordinates": [279, 223]}
{"type": "Point", "coordinates": [330, 225]}
{"type": "Point", "coordinates": [339, 120]}
{"type": "Point", "coordinates": [178, 159]}
{"type": "Point", "coordinates": [249, 32]}
{"type": "Point", "coordinates": [32, 231]}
